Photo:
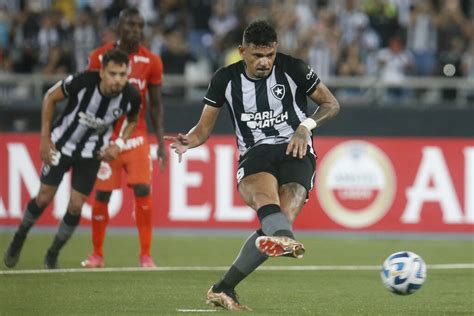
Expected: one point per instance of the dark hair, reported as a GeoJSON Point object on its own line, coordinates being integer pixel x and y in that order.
{"type": "Point", "coordinates": [128, 12]}
{"type": "Point", "coordinates": [116, 55]}
{"type": "Point", "coordinates": [259, 33]}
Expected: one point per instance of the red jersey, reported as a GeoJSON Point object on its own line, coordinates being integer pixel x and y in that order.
{"type": "Point", "coordinates": [146, 68]}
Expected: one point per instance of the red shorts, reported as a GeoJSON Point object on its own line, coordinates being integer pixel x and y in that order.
{"type": "Point", "coordinates": [135, 160]}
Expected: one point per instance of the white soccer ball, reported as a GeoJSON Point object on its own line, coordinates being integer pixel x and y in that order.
{"type": "Point", "coordinates": [403, 273]}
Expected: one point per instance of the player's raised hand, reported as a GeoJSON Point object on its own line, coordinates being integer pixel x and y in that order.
{"type": "Point", "coordinates": [298, 143]}
{"type": "Point", "coordinates": [180, 144]}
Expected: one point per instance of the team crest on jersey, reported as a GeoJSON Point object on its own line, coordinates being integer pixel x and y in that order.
{"type": "Point", "coordinates": [117, 112]}
{"type": "Point", "coordinates": [278, 91]}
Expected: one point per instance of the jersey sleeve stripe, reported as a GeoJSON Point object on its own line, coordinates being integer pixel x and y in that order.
{"type": "Point", "coordinates": [63, 88]}
{"type": "Point", "coordinates": [313, 85]}
{"type": "Point", "coordinates": [210, 100]}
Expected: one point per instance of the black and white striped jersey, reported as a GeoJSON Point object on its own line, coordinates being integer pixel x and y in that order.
{"type": "Point", "coordinates": [87, 122]}
{"type": "Point", "coordinates": [267, 110]}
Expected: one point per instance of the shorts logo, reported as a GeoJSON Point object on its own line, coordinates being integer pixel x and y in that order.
{"type": "Point", "coordinates": [45, 169]}
{"type": "Point", "coordinates": [278, 91]}
{"type": "Point", "coordinates": [117, 112]}
{"type": "Point", "coordinates": [240, 174]}
{"type": "Point", "coordinates": [105, 171]}
{"type": "Point", "coordinates": [356, 184]}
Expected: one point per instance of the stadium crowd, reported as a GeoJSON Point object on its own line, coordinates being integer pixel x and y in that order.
{"type": "Point", "coordinates": [387, 38]}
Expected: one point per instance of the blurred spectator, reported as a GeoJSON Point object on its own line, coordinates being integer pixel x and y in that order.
{"type": "Point", "coordinates": [48, 37]}
{"type": "Point", "coordinates": [67, 8]}
{"type": "Point", "coordinates": [147, 9]}
{"type": "Point", "coordinates": [422, 38]}
{"type": "Point", "coordinates": [4, 29]}
{"type": "Point", "coordinates": [107, 35]}
{"type": "Point", "coordinates": [467, 62]}
{"type": "Point", "coordinates": [351, 19]}
{"type": "Point", "coordinates": [24, 35]}
{"type": "Point", "coordinates": [59, 62]}
{"type": "Point", "coordinates": [156, 40]}
{"type": "Point", "coordinates": [175, 57]}
{"type": "Point", "coordinates": [395, 63]}
{"type": "Point", "coordinates": [351, 65]}
{"type": "Point", "coordinates": [351, 61]}
{"type": "Point", "coordinates": [452, 34]}
{"type": "Point", "coordinates": [403, 8]}
{"type": "Point", "coordinates": [285, 23]}
{"type": "Point", "coordinates": [85, 39]}
{"type": "Point", "coordinates": [222, 21]}
{"type": "Point", "coordinates": [322, 41]}
{"type": "Point", "coordinates": [199, 34]}
{"type": "Point", "coordinates": [113, 10]}
{"type": "Point", "coordinates": [6, 65]}
{"type": "Point", "coordinates": [467, 67]}
{"type": "Point", "coordinates": [383, 18]}
{"type": "Point", "coordinates": [173, 14]}
{"type": "Point", "coordinates": [52, 36]}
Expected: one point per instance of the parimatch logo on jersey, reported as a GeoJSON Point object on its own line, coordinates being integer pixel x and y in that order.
{"type": "Point", "coordinates": [92, 122]}
{"type": "Point", "coordinates": [263, 119]}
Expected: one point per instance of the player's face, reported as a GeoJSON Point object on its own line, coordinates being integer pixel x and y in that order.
{"type": "Point", "coordinates": [131, 29]}
{"type": "Point", "coordinates": [114, 77]}
{"type": "Point", "coordinates": [258, 59]}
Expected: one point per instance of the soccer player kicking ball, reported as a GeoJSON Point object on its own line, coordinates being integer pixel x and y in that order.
{"type": "Point", "coordinates": [78, 140]}
{"type": "Point", "coordinates": [266, 94]}
{"type": "Point", "coordinates": [146, 71]}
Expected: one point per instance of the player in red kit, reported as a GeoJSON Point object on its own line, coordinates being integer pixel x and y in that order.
{"type": "Point", "coordinates": [146, 70]}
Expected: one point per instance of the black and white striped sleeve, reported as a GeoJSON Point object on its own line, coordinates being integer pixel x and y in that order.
{"type": "Point", "coordinates": [215, 95]}
{"type": "Point", "coordinates": [73, 83]}
{"type": "Point", "coordinates": [304, 76]}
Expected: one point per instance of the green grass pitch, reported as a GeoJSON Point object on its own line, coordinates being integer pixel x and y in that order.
{"type": "Point", "coordinates": [267, 292]}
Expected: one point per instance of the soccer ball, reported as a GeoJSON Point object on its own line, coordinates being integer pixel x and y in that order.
{"type": "Point", "coordinates": [403, 273]}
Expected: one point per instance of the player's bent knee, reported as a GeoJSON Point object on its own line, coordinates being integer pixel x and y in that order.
{"type": "Point", "coordinates": [103, 196]}
{"type": "Point", "coordinates": [141, 189]}
{"type": "Point", "coordinates": [44, 199]}
{"type": "Point", "coordinates": [75, 208]}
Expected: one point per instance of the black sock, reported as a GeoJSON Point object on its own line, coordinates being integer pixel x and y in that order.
{"type": "Point", "coordinates": [65, 231]}
{"type": "Point", "coordinates": [274, 222]}
{"type": "Point", "coordinates": [32, 213]}
{"type": "Point", "coordinates": [249, 259]}
{"type": "Point", "coordinates": [230, 280]}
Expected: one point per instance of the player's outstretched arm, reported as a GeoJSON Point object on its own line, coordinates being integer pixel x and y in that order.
{"type": "Point", "coordinates": [54, 95]}
{"type": "Point", "coordinates": [198, 134]}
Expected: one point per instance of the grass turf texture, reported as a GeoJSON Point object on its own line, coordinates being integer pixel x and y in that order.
{"type": "Point", "coordinates": [446, 292]}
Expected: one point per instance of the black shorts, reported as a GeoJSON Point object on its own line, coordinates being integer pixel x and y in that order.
{"type": "Point", "coordinates": [84, 173]}
{"type": "Point", "coordinates": [274, 160]}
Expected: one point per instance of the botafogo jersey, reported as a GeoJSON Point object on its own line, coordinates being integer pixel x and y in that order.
{"type": "Point", "coordinates": [266, 110]}
{"type": "Point", "coordinates": [86, 124]}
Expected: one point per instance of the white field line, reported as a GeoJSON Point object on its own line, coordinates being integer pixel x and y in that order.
{"type": "Point", "coordinates": [189, 310]}
{"type": "Point", "coordinates": [448, 266]}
